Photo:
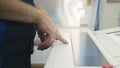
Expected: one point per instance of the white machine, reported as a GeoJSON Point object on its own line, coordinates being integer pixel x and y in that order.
{"type": "Point", "coordinates": [108, 41]}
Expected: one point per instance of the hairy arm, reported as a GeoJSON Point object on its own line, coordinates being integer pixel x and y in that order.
{"type": "Point", "coordinates": [17, 10]}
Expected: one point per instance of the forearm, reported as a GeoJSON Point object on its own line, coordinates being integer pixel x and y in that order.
{"type": "Point", "coordinates": [17, 10]}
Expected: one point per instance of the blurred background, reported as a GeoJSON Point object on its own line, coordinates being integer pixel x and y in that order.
{"type": "Point", "coordinates": [65, 13]}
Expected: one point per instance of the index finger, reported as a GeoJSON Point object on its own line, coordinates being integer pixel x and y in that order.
{"type": "Point", "coordinates": [59, 37]}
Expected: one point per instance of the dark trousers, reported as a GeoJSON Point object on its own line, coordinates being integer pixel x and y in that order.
{"type": "Point", "coordinates": [16, 61]}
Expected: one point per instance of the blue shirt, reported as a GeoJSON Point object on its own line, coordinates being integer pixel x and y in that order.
{"type": "Point", "coordinates": [16, 37]}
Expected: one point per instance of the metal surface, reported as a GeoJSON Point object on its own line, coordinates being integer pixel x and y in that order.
{"type": "Point", "coordinates": [85, 51]}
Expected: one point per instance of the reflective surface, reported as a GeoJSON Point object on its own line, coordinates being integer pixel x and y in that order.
{"type": "Point", "coordinates": [65, 13]}
{"type": "Point", "coordinates": [85, 51]}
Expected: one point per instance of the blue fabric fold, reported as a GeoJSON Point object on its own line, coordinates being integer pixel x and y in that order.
{"type": "Point", "coordinates": [2, 30]}
{"type": "Point", "coordinates": [2, 27]}
{"type": "Point", "coordinates": [0, 62]}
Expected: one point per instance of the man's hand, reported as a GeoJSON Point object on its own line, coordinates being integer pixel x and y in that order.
{"type": "Point", "coordinates": [48, 34]}
{"type": "Point", "coordinates": [47, 31]}
{"type": "Point", "coordinates": [43, 37]}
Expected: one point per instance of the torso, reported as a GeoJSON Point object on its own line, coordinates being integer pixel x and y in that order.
{"type": "Point", "coordinates": [16, 36]}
